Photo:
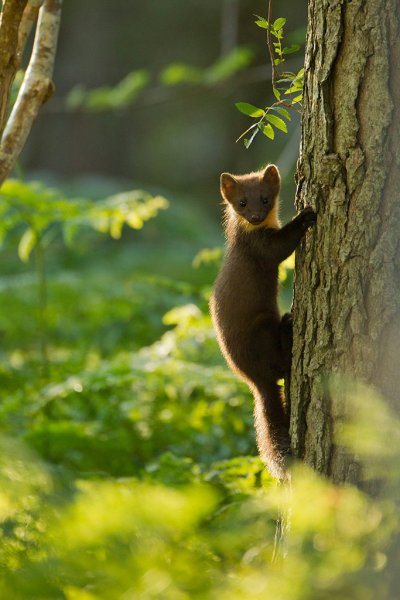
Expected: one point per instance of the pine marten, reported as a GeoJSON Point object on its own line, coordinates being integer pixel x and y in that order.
{"type": "Point", "coordinates": [255, 341]}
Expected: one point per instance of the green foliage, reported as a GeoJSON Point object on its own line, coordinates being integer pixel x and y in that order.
{"type": "Point", "coordinates": [42, 208]}
{"type": "Point", "coordinates": [178, 533]}
{"type": "Point", "coordinates": [130, 469]}
{"type": "Point", "coordinates": [223, 68]}
{"type": "Point", "coordinates": [128, 91]}
{"type": "Point", "coordinates": [227, 66]}
{"type": "Point", "coordinates": [104, 98]}
{"type": "Point", "coordinates": [208, 256]}
{"type": "Point", "coordinates": [287, 88]}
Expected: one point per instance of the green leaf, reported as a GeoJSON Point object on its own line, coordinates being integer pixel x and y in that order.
{"type": "Point", "coordinates": [277, 122]}
{"type": "Point", "coordinates": [285, 113]}
{"type": "Point", "coordinates": [250, 110]}
{"type": "Point", "coordinates": [279, 23]}
{"type": "Point", "coordinates": [290, 49]}
{"type": "Point", "coordinates": [287, 79]}
{"type": "Point", "coordinates": [298, 98]}
{"type": "Point", "coordinates": [177, 73]}
{"type": "Point", "coordinates": [126, 92]}
{"type": "Point", "coordinates": [228, 65]}
{"type": "Point", "coordinates": [277, 93]}
{"type": "Point", "coordinates": [278, 61]}
{"type": "Point", "coordinates": [294, 88]}
{"type": "Point", "coordinates": [27, 244]}
{"type": "Point", "coordinates": [76, 97]}
{"type": "Point", "coordinates": [268, 131]}
{"type": "Point", "coordinates": [208, 256]}
{"type": "Point", "coordinates": [70, 231]}
{"type": "Point", "coordinates": [108, 98]}
{"type": "Point", "coordinates": [261, 22]}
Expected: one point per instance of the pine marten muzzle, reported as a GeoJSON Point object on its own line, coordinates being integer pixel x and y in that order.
{"type": "Point", "coordinates": [255, 341]}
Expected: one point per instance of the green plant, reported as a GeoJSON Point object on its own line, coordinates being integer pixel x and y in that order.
{"type": "Point", "coordinates": [286, 86]}
{"type": "Point", "coordinates": [43, 213]}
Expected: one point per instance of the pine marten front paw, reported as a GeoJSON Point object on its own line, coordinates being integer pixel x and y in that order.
{"type": "Point", "coordinates": [287, 327]}
{"type": "Point", "coordinates": [308, 217]}
{"type": "Point", "coordinates": [287, 320]}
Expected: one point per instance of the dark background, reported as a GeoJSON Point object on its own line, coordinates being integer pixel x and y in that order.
{"type": "Point", "coordinates": [178, 138]}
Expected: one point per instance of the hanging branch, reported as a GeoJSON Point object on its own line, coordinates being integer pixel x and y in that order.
{"type": "Point", "coordinates": [37, 85]}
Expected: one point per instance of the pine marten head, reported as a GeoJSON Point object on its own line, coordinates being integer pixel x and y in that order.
{"type": "Point", "coordinates": [253, 197]}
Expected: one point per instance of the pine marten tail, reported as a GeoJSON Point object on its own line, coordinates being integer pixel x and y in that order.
{"type": "Point", "coordinates": [272, 429]}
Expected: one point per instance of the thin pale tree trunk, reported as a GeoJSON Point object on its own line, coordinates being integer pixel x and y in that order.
{"type": "Point", "coordinates": [16, 22]}
{"type": "Point", "coordinates": [347, 280]}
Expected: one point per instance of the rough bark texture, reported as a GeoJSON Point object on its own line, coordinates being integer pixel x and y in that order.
{"type": "Point", "coordinates": [347, 290]}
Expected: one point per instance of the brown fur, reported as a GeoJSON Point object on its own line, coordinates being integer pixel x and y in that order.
{"type": "Point", "coordinates": [253, 338]}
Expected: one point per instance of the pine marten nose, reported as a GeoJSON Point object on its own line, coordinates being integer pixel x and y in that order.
{"type": "Point", "coordinates": [255, 218]}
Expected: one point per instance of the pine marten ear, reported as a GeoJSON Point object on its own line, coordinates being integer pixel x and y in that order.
{"type": "Point", "coordinates": [272, 178]}
{"type": "Point", "coordinates": [228, 185]}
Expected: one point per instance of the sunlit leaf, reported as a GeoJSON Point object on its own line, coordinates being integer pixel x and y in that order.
{"type": "Point", "coordinates": [277, 122]}
{"type": "Point", "coordinates": [277, 93]}
{"type": "Point", "coordinates": [207, 256]}
{"type": "Point", "coordinates": [228, 65]}
{"type": "Point", "coordinates": [249, 109]}
{"type": "Point", "coordinates": [297, 99]}
{"type": "Point", "coordinates": [290, 49]}
{"type": "Point", "coordinates": [268, 131]}
{"type": "Point", "coordinates": [176, 73]}
{"type": "Point", "coordinates": [279, 23]}
{"type": "Point", "coordinates": [106, 97]}
{"type": "Point", "coordinates": [284, 112]}
{"type": "Point", "coordinates": [27, 244]}
{"type": "Point", "coordinates": [263, 23]}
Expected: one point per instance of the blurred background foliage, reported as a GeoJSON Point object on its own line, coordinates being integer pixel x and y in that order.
{"type": "Point", "coordinates": [128, 464]}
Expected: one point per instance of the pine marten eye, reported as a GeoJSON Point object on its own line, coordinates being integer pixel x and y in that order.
{"type": "Point", "coordinates": [243, 203]}
{"type": "Point", "coordinates": [264, 200]}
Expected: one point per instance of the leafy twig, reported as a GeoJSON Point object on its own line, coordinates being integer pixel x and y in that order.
{"type": "Point", "coordinates": [291, 83]}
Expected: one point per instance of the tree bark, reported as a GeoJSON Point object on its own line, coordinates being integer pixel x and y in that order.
{"type": "Point", "coordinates": [37, 85]}
{"type": "Point", "coordinates": [11, 16]}
{"type": "Point", "coordinates": [347, 280]}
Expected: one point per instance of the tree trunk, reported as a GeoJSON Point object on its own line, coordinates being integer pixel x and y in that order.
{"type": "Point", "coordinates": [347, 281]}
{"type": "Point", "coordinates": [16, 22]}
